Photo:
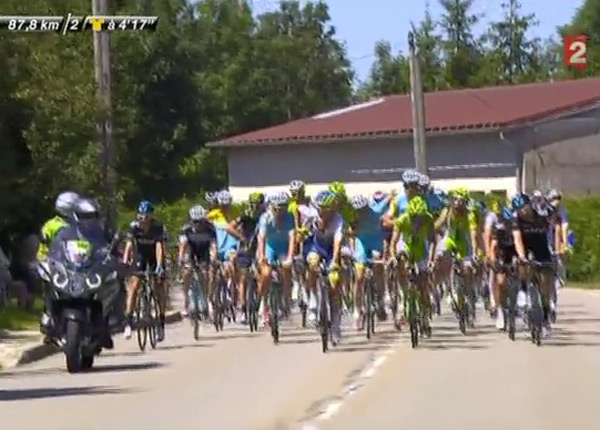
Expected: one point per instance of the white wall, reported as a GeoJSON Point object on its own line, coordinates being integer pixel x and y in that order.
{"type": "Point", "coordinates": [507, 184]}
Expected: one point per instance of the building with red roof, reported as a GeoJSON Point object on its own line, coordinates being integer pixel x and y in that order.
{"type": "Point", "coordinates": [486, 139]}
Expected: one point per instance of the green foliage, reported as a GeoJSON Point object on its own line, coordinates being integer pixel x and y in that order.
{"type": "Point", "coordinates": [584, 264]}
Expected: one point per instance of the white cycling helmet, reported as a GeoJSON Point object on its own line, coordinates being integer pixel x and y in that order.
{"type": "Point", "coordinates": [85, 209]}
{"type": "Point", "coordinates": [296, 186]}
{"type": "Point", "coordinates": [424, 180]}
{"type": "Point", "coordinates": [410, 177]}
{"type": "Point", "coordinates": [279, 199]}
{"type": "Point", "coordinates": [210, 197]}
{"type": "Point", "coordinates": [65, 202]}
{"type": "Point", "coordinates": [224, 197]}
{"type": "Point", "coordinates": [553, 194]}
{"type": "Point", "coordinates": [197, 213]}
{"type": "Point", "coordinates": [359, 202]}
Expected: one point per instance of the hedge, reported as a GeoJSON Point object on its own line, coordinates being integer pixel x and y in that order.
{"type": "Point", "coordinates": [584, 220]}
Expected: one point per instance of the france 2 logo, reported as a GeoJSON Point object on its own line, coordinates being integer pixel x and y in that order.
{"type": "Point", "coordinates": [576, 51]}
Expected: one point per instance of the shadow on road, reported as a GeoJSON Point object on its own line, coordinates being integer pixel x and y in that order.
{"type": "Point", "coordinates": [114, 368]}
{"type": "Point", "coordinates": [30, 372]}
{"type": "Point", "coordinates": [44, 393]}
{"type": "Point", "coordinates": [185, 346]}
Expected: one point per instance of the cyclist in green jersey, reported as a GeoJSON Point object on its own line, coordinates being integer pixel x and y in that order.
{"type": "Point", "coordinates": [342, 204]}
{"type": "Point", "coordinates": [414, 242]}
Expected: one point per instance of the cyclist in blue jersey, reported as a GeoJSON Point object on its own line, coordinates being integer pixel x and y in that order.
{"type": "Point", "coordinates": [380, 202]}
{"type": "Point", "coordinates": [410, 182]}
{"type": "Point", "coordinates": [368, 244]}
{"type": "Point", "coordinates": [276, 234]}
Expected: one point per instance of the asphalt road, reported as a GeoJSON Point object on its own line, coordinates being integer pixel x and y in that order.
{"type": "Point", "coordinates": [236, 380]}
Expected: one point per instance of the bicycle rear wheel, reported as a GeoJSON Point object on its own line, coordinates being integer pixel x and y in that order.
{"type": "Point", "coordinates": [413, 316]}
{"type": "Point", "coordinates": [369, 314]}
{"type": "Point", "coordinates": [324, 320]}
{"type": "Point", "coordinates": [536, 316]}
{"type": "Point", "coordinates": [274, 303]}
{"type": "Point", "coordinates": [251, 312]}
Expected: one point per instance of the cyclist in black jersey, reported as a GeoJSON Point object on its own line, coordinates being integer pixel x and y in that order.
{"type": "Point", "coordinates": [197, 244]}
{"type": "Point", "coordinates": [531, 222]}
{"type": "Point", "coordinates": [146, 249]}
{"type": "Point", "coordinates": [502, 253]}
{"type": "Point", "coordinates": [246, 224]}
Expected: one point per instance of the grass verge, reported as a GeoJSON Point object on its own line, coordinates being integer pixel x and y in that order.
{"type": "Point", "coordinates": [13, 318]}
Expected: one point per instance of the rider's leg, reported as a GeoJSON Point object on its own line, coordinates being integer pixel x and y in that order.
{"type": "Point", "coordinates": [313, 261]}
{"type": "Point", "coordinates": [186, 277]}
{"type": "Point", "coordinates": [500, 291]}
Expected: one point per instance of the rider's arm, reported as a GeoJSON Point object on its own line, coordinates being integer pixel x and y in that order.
{"type": "Point", "coordinates": [388, 218]}
{"type": "Point", "coordinates": [518, 239]}
{"type": "Point", "coordinates": [160, 252]}
{"type": "Point", "coordinates": [441, 221]}
{"type": "Point", "coordinates": [261, 239]}
{"type": "Point", "coordinates": [559, 243]}
{"type": "Point", "coordinates": [432, 239]}
{"type": "Point", "coordinates": [337, 242]}
{"type": "Point", "coordinates": [183, 247]}
{"type": "Point", "coordinates": [231, 228]}
{"type": "Point", "coordinates": [291, 244]}
{"type": "Point", "coordinates": [473, 223]}
{"type": "Point", "coordinates": [128, 251]}
{"type": "Point", "coordinates": [395, 237]}
{"type": "Point", "coordinates": [493, 250]}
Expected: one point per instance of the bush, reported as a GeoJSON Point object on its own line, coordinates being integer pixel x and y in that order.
{"type": "Point", "coordinates": [584, 264]}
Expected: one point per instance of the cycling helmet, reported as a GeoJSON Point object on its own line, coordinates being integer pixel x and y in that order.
{"type": "Point", "coordinates": [424, 181]}
{"type": "Point", "coordinates": [416, 206]}
{"type": "Point", "coordinates": [279, 199]}
{"type": "Point", "coordinates": [410, 177]}
{"type": "Point", "coordinates": [537, 194]}
{"type": "Point", "coordinates": [197, 213]}
{"type": "Point", "coordinates": [256, 198]}
{"type": "Point", "coordinates": [325, 199]}
{"type": "Point", "coordinates": [145, 208]}
{"type": "Point", "coordinates": [519, 201]}
{"type": "Point", "coordinates": [297, 187]}
{"type": "Point", "coordinates": [460, 193]}
{"type": "Point", "coordinates": [84, 210]}
{"type": "Point", "coordinates": [478, 205]}
{"type": "Point", "coordinates": [224, 198]}
{"type": "Point", "coordinates": [553, 194]}
{"type": "Point", "coordinates": [65, 202]}
{"type": "Point", "coordinates": [359, 202]}
{"type": "Point", "coordinates": [506, 213]}
{"type": "Point", "coordinates": [337, 188]}
{"type": "Point", "coordinates": [379, 196]}
{"type": "Point", "coordinates": [210, 197]}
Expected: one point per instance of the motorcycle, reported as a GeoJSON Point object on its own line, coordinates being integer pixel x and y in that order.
{"type": "Point", "coordinates": [85, 294]}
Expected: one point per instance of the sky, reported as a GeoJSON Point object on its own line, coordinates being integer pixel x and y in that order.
{"type": "Point", "coordinates": [361, 23]}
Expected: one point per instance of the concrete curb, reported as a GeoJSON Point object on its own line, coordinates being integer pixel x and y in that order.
{"type": "Point", "coordinates": [39, 351]}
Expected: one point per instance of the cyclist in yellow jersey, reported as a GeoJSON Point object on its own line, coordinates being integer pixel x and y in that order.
{"type": "Point", "coordinates": [459, 223]}
{"type": "Point", "coordinates": [414, 243]}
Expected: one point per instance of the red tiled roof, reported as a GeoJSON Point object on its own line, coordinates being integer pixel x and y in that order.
{"type": "Point", "coordinates": [446, 111]}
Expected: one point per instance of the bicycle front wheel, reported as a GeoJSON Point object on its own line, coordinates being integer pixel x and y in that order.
{"type": "Point", "coordinates": [141, 321]}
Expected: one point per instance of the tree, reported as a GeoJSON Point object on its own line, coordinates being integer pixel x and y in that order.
{"type": "Point", "coordinates": [461, 54]}
{"type": "Point", "coordinates": [512, 57]}
{"type": "Point", "coordinates": [429, 46]}
{"type": "Point", "coordinates": [390, 73]}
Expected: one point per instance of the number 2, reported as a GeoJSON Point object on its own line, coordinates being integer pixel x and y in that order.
{"type": "Point", "coordinates": [74, 25]}
{"type": "Point", "coordinates": [579, 49]}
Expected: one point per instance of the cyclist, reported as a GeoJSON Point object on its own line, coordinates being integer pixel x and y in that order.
{"type": "Point", "coordinates": [228, 236]}
{"type": "Point", "coordinates": [492, 217]}
{"type": "Point", "coordinates": [410, 183]}
{"type": "Point", "coordinates": [501, 250]}
{"type": "Point", "coordinates": [459, 223]}
{"type": "Point", "coordinates": [380, 202]}
{"type": "Point", "coordinates": [210, 197]}
{"type": "Point", "coordinates": [64, 216]}
{"type": "Point", "coordinates": [559, 238]}
{"type": "Point", "coordinates": [247, 225]}
{"type": "Point", "coordinates": [368, 244]}
{"type": "Point", "coordinates": [413, 243]}
{"type": "Point", "coordinates": [325, 244]}
{"type": "Point", "coordinates": [198, 245]}
{"type": "Point", "coordinates": [145, 247]}
{"type": "Point", "coordinates": [532, 221]}
{"type": "Point", "coordinates": [275, 244]}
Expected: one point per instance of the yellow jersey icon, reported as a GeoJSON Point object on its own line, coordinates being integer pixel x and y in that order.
{"type": "Point", "coordinates": [97, 23]}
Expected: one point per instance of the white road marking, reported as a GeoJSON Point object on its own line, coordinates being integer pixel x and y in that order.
{"type": "Point", "coordinates": [331, 408]}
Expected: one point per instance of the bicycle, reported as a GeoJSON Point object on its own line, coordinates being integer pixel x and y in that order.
{"type": "Point", "coordinates": [147, 312]}
{"type": "Point", "coordinates": [509, 307]}
{"type": "Point", "coordinates": [371, 301]}
{"type": "Point", "coordinates": [219, 299]}
{"type": "Point", "coordinates": [391, 273]}
{"type": "Point", "coordinates": [275, 301]}
{"type": "Point", "coordinates": [348, 278]}
{"type": "Point", "coordinates": [199, 294]}
{"type": "Point", "coordinates": [252, 298]}
{"type": "Point", "coordinates": [298, 272]}
{"type": "Point", "coordinates": [461, 298]}
{"type": "Point", "coordinates": [536, 310]}
{"type": "Point", "coordinates": [323, 306]}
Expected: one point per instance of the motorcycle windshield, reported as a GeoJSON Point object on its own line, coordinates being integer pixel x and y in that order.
{"type": "Point", "coordinates": [75, 279]}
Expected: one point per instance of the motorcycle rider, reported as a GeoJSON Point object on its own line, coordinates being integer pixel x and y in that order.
{"type": "Point", "coordinates": [85, 227]}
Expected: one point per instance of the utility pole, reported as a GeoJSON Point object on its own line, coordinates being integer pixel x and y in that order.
{"type": "Point", "coordinates": [418, 107]}
{"type": "Point", "coordinates": [104, 126]}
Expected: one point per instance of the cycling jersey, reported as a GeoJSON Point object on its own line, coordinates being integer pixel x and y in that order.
{"type": "Point", "coordinates": [199, 240]}
{"type": "Point", "coordinates": [502, 234]}
{"type": "Point", "coordinates": [276, 229]}
{"type": "Point", "coordinates": [49, 231]}
{"type": "Point", "coordinates": [457, 238]}
{"type": "Point", "coordinates": [398, 206]}
{"type": "Point", "coordinates": [145, 241]}
{"type": "Point", "coordinates": [435, 203]}
{"type": "Point", "coordinates": [348, 213]}
{"type": "Point", "coordinates": [368, 234]}
{"type": "Point", "coordinates": [416, 235]}
{"type": "Point", "coordinates": [535, 235]}
{"type": "Point", "coordinates": [216, 215]}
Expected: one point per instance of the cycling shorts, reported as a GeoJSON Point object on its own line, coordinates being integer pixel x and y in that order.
{"type": "Point", "coordinates": [276, 251]}
{"type": "Point", "coordinates": [401, 248]}
{"type": "Point", "coordinates": [143, 262]}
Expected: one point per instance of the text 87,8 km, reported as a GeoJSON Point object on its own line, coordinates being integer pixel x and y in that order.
{"type": "Point", "coordinates": [31, 23]}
